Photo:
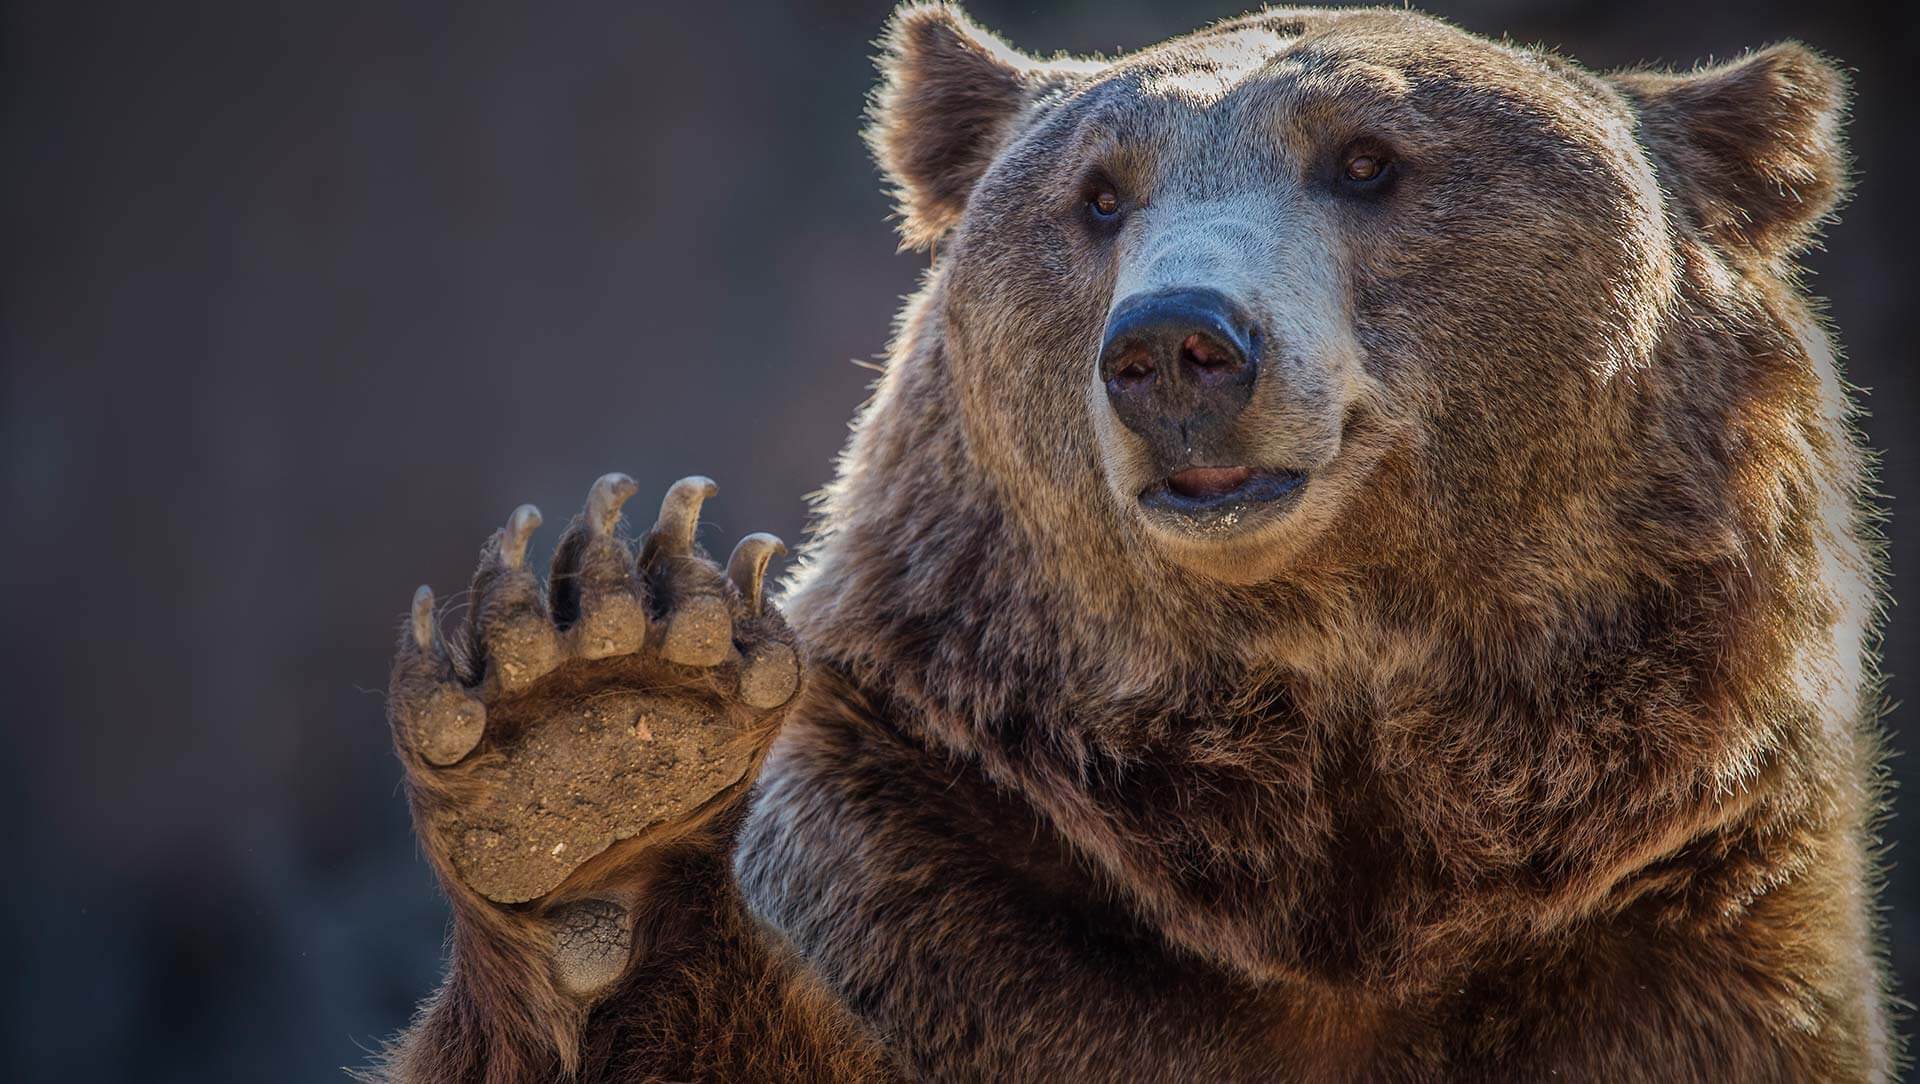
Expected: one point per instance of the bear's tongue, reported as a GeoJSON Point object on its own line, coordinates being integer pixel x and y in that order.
{"type": "Point", "coordinates": [1209, 481]}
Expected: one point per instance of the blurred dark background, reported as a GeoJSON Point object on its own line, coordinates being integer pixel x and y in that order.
{"type": "Point", "coordinates": [300, 300]}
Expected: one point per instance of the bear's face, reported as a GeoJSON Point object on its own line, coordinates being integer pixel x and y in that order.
{"type": "Point", "coordinates": [1295, 284]}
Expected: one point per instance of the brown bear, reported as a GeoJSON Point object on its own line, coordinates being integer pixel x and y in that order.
{"type": "Point", "coordinates": [1357, 569]}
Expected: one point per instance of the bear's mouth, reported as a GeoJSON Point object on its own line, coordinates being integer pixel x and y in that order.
{"type": "Point", "coordinates": [1220, 500]}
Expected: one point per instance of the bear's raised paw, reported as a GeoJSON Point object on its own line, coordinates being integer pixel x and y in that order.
{"type": "Point", "coordinates": [619, 697]}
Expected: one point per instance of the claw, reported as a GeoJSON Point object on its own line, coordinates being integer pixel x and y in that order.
{"type": "Point", "coordinates": [680, 515]}
{"type": "Point", "coordinates": [513, 547]}
{"type": "Point", "coordinates": [593, 595]}
{"type": "Point", "coordinates": [747, 568]}
{"type": "Point", "coordinates": [423, 618]}
{"type": "Point", "coordinates": [605, 499]}
{"type": "Point", "coordinates": [513, 641]}
{"type": "Point", "coordinates": [432, 714]}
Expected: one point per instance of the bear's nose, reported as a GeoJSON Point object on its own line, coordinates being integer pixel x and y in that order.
{"type": "Point", "coordinates": [1179, 359]}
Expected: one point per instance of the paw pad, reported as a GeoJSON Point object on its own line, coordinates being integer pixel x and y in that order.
{"type": "Point", "coordinates": [591, 943]}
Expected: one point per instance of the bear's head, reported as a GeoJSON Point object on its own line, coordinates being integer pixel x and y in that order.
{"type": "Point", "coordinates": [1335, 350]}
{"type": "Point", "coordinates": [1336, 290]}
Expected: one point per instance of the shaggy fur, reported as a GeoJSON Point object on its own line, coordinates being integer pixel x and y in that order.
{"type": "Point", "coordinates": [1536, 742]}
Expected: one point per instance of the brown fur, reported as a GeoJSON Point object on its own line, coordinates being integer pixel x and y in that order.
{"type": "Point", "coordinates": [1537, 741]}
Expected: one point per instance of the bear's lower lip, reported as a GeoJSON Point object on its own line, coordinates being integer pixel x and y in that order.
{"type": "Point", "coordinates": [1220, 499]}
{"type": "Point", "coordinates": [1207, 483]}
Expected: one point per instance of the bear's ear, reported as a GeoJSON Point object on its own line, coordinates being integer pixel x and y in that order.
{"type": "Point", "coordinates": [1754, 145]}
{"type": "Point", "coordinates": [949, 92]}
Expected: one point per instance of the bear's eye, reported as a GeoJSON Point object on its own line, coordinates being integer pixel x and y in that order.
{"type": "Point", "coordinates": [1366, 168]}
{"type": "Point", "coordinates": [1104, 207]}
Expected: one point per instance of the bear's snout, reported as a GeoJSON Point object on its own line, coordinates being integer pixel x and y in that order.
{"type": "Point", "coordinates": [1179, 365]}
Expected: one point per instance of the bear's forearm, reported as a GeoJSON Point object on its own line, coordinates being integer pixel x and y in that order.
{"type": "Point", "coordinates": [497, 1015]}
{"type": "Point", "coordinates": [1752, 999]}
{"type": "Point", "coordinates": [703, 991]}
{"type": "Point", "coordinates": [959, 931]}
{"type": "Point", "coordinates": [976, 985]}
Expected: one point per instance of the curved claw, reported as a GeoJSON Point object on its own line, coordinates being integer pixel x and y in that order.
{"type": "Point", "coordinates": [423, 618]}
{"type": "Point", "coordinates": [604, 501]}
{"type": "Point", "coordinates": [680, 515]}
{"type": "Point", "coordinates": [747, 568]}
{"type": "Point", "coordinates": [520, 526]}
{"type": "Point", "coordinates": [432, 715]}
